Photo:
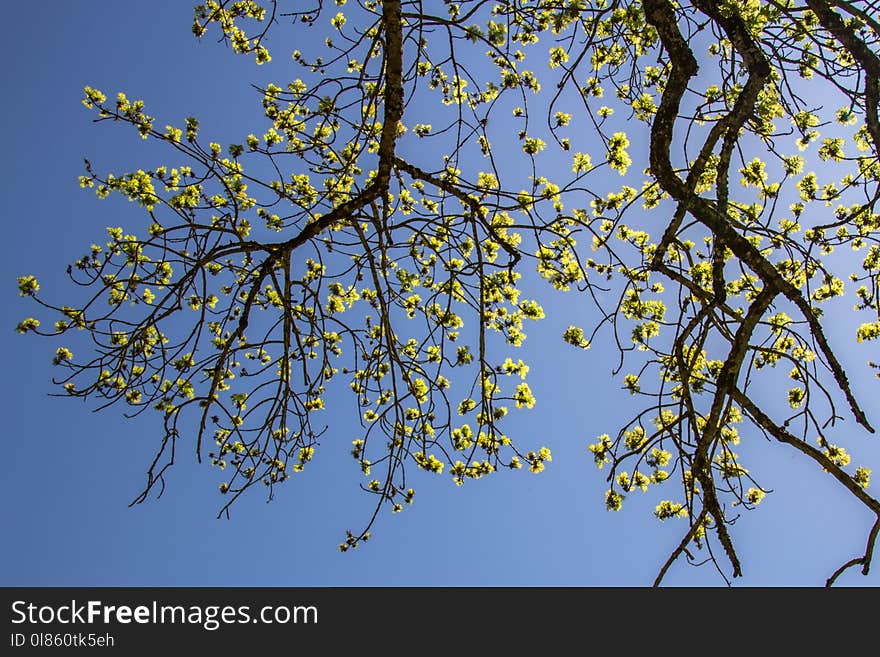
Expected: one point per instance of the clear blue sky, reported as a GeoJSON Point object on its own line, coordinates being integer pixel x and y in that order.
{"type": "Point", "coordinates": [70, 473]}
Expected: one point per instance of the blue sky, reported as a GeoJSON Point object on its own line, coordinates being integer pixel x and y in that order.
{"type": "Point", "coordinates": [71, 473]}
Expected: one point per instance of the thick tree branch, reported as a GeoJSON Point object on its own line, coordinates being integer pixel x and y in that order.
{"type": "Point", "coordinates": [866, 58]}
{"type": "Point", "coordinates": [394, 105]}
{"type": "Point", "coordinates": [661, 14]}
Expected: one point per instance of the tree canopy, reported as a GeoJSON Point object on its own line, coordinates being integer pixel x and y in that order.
{"type": "Point", "coordinates": [703, 175]}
